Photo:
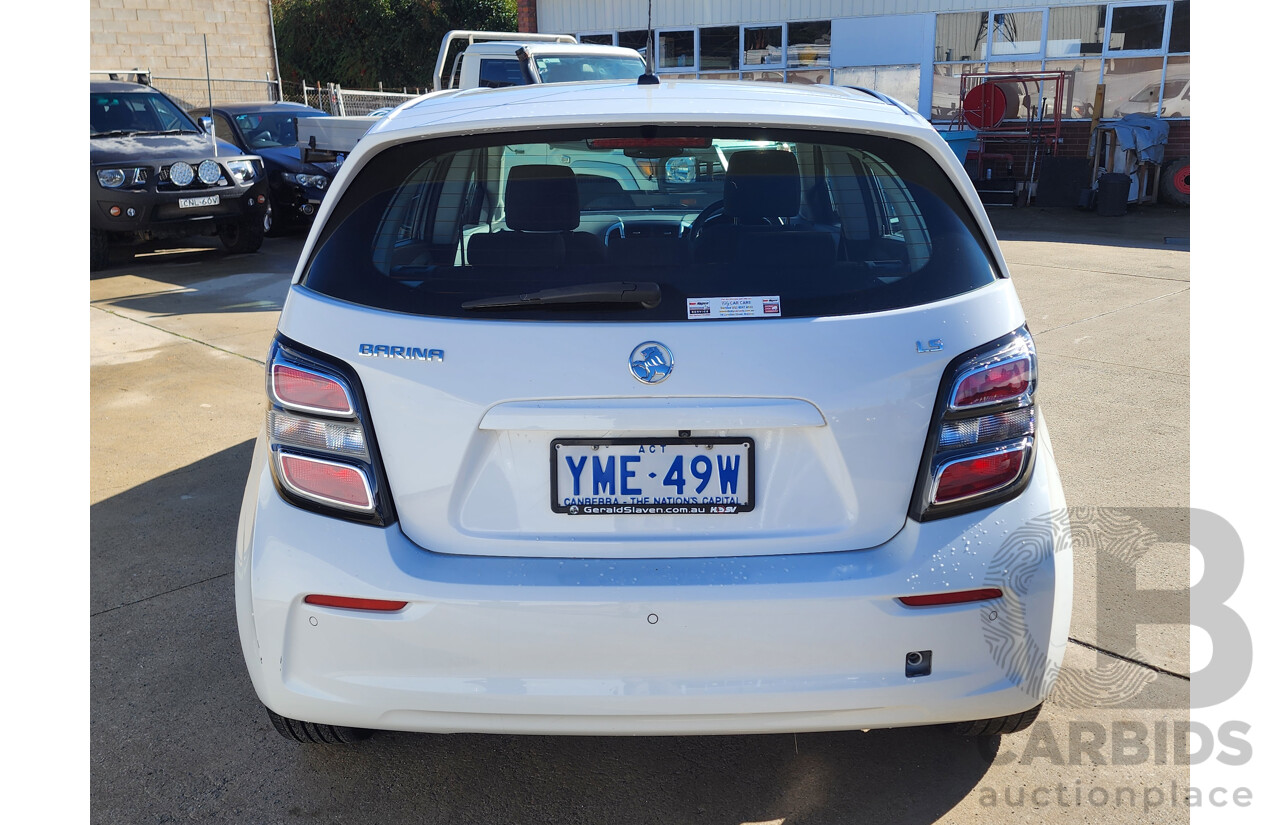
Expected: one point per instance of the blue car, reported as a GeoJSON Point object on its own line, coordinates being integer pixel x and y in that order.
{"type": "Point", "coordinates": [270, 130]}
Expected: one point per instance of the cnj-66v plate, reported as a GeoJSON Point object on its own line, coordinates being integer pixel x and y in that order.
{"type": "Point", "coordinates": [652, 476]}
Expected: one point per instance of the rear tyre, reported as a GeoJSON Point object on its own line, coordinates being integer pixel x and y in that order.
{"type": "Point", "coordinates": [312, 733]}
{"type": "Point", "coordinates": [1175, 182]}
{"type": "Point", "coordinates": [242, 236]}
{"type": "Point", "coordinates": [998, 726]}
{"type": "Point", "coordinates": [99, 250]}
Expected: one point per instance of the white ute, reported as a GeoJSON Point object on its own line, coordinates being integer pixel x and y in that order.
{"type": "Point", "coordinates": [754, 448]}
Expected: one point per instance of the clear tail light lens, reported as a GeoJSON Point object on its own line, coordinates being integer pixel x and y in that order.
{"type": "Point", "coordinates": [324, 456]}
{"type": "Point", "coordinates": [981, 446]}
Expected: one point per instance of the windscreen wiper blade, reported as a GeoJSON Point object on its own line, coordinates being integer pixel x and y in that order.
{"type": "Point", "coordinates": [645, 293]}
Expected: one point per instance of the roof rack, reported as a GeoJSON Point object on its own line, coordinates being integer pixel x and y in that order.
{"type": "Point", "coordinates": [883, 98]}
{"type": "Point", "coordinates": [142, 76]}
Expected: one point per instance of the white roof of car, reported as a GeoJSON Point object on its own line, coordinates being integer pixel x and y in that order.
{"type": "Point", "coordinates": [627, 102]}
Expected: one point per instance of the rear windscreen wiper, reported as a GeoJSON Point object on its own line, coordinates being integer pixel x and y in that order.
{"type": "Point", "coordinates": [645, 293]}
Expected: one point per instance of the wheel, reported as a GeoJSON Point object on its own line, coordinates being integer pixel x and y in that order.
{"type": "Point", "coordinates": [999, 725]}
{"type": "Point", "coordinates": [99, 250]}
{"type": "Point", "coordinates": [1175, 182]}
{"type": "Point", "coordinates": [244, 236]}
{"type": "Point", "coordinates": [311, 733]}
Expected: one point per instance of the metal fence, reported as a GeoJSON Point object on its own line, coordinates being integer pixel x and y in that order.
{"type": "Point", "coordinates": [195, 92]}
{"type": "Point", "coordinates": [335, 100]}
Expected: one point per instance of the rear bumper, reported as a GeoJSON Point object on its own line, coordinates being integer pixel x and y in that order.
{"type": "Point", "coordinates": [653, 646]}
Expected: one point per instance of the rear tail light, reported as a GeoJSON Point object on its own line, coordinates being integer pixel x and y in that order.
{"type": "Point", "coordinates": [323, 456]}
{"type": "Point", "coordinates": [981, 446]}
{"type": "Point", "coordinates": [339, 485]}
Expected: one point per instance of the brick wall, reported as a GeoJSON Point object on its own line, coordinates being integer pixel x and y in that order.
{"type": "Point", "coordinates": [166, 36]}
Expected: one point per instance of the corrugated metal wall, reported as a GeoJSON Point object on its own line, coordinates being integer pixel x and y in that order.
{"type": "Point", "coordinates": [594, 15]}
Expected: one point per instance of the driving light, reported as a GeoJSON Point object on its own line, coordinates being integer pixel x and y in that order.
{"type": "Point", "coordinates": [209, 172]}
{"type": "Point", "coordinates": [181, 173]}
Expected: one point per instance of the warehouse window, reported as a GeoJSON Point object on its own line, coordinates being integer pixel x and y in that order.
{"type": "Point", "coordinates": [1016, 32]}
{"type": "Point", "coordinates": [718, 48]}
{"type": "Point", "coordinates": [1076, 30]}
{"type": "Point", "coordinates": [809, 44]}
{"type": "Point", "coordinates": [637, 39]}
{"type": "Point", "coordinates": [675, 49]}
{"type": "Point", "coordinates": [761, 45]}
{"type": "Point", "coordinates": [1137, 28]}
{"type": "Point", "coordinates": [1135, 39]}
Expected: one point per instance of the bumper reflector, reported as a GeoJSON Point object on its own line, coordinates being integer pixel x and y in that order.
{"type": "Point", "coordinates": [348, 603]}
{"type": "Point", "coordinates": [952, 597]}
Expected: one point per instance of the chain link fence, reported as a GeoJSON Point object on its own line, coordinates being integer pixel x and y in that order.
{"type": "Point", "coordinates": [336, 100]}
{"type": "Point", "coordinates": [195, 92]}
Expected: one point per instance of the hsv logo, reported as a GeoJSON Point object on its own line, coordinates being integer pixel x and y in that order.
{"type": "Point", "coordinates": [404, 353]}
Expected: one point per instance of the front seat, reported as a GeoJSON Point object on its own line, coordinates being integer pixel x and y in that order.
{"type": "Point", "coordinates": [541, 215]}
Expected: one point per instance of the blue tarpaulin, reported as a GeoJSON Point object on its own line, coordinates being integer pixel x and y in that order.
{"type": "Point", "coordinates": [1144, 135]}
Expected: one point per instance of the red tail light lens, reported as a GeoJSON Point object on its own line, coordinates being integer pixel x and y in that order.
{"type": "Point", "coordinates": [968, 477]}
{"type": "Point", "coordinates": [310, 391]}
{"type": "Point", "coordinates": [328, 482]}
{"type": "Point", "coordinates": [1004, 381]}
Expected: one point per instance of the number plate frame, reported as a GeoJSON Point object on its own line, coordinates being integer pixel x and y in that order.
{"type": "Point", "coordinates": [628, 507]}
{"type": "Point", "coordinates": [196, 203]}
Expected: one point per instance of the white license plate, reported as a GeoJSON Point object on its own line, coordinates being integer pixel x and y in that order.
{"type": "Point", "coordinates": [191, 203]}
{"type": "Point", "coordinates": [652, 476]}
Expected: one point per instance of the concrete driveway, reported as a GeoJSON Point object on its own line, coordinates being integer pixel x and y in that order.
{"type": "Point", "coordinates": [177, 347]}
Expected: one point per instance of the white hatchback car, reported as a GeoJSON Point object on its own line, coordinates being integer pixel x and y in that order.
{"type": "Point", "coordinates": [753, 450]}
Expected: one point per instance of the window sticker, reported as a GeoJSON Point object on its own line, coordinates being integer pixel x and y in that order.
{"type": "Point", "coordinates": [754, 306]}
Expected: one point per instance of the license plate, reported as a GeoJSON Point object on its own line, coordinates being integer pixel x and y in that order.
{"type": "Point", "coordinates": [652, 476]}
{"type": "Point", "coordinates": [191, 203]}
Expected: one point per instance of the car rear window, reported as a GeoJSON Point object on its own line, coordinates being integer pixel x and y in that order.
{"type": "Point", "coordinates": [821, 224]}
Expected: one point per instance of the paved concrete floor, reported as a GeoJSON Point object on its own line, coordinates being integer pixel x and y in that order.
{"type": "Point", "coordinates": [177, 344]}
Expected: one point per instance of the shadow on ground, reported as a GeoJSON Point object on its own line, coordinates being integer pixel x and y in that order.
{"type": "Point", "coordinates": [1142, 227]}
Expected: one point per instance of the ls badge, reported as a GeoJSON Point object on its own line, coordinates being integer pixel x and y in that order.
{"type": "Point", "coordinates": [934, 345]}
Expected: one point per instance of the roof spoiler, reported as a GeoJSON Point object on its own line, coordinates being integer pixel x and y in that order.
{"type": "Point", "coordinates": [458, 35]}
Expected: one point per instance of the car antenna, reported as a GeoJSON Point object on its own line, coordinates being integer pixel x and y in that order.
{"type": "Point", "coordinates": [648, 78]}
{"type": "Point", "coordinates": [208, 79]}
